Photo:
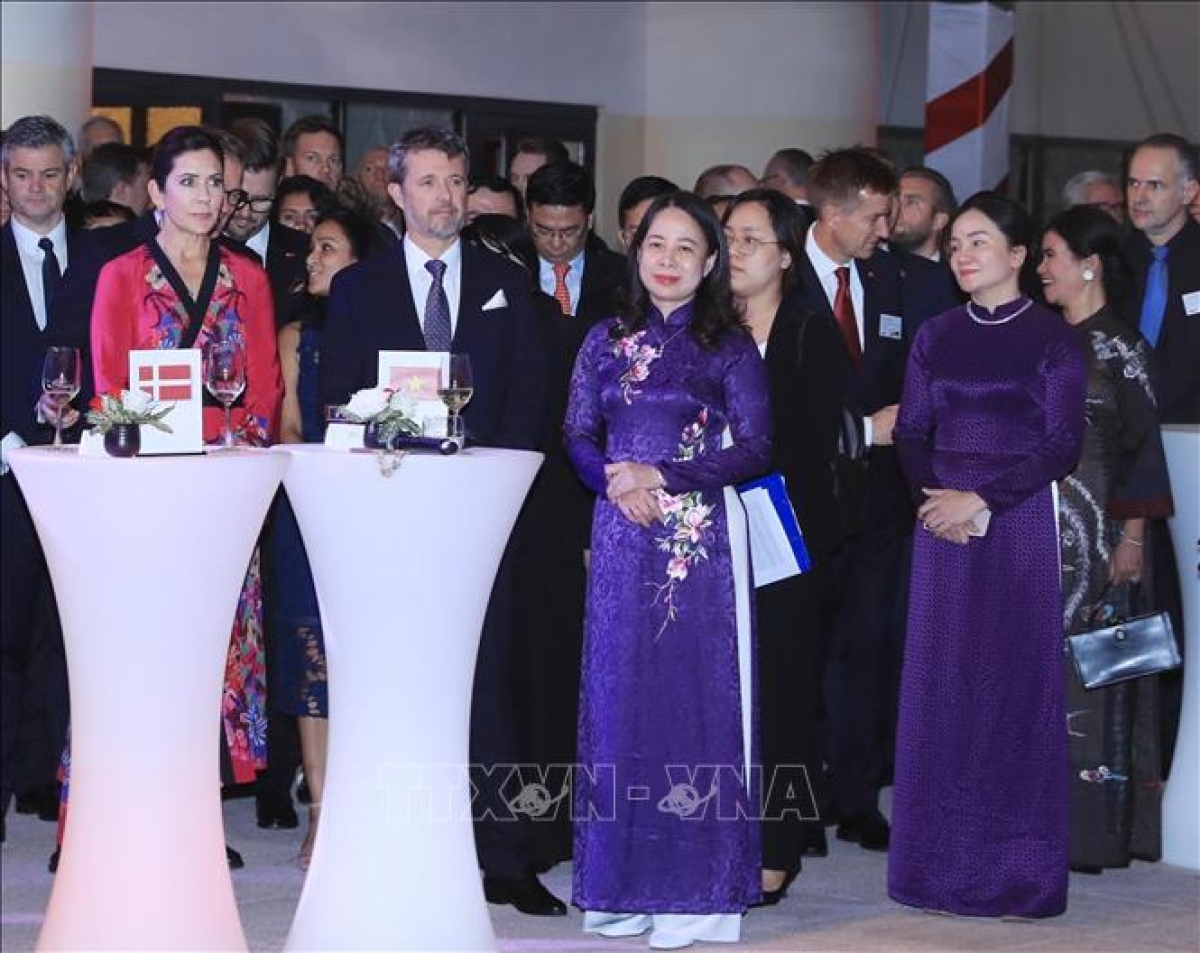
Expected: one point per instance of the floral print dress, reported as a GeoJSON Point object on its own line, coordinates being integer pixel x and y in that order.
{"type": "Point", "coordinates": [664, 804]}
{"type": "Point", "coordinates": [142, 303]}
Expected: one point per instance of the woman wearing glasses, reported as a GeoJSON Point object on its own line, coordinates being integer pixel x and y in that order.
{"type": "Point", "coordinates": [805, 365]}
{"type": "Point", "coordinates": [181, 289]}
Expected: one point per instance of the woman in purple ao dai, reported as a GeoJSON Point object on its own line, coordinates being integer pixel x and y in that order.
{"type": "Point", "coordinates": [992, 414]}
{"type": "Point", "coordinates": [668, 409]}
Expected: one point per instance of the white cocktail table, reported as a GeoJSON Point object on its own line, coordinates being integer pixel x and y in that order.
{"type": "Point", "coordinates": [404, 567]}
{"type": "Point", "coordinates": [147, 557]}
{"type": "Point", "coordinates": [1181, 799]}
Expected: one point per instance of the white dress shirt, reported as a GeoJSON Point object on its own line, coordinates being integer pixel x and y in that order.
{"type": "Point", "coordinates": [574, 279]}
{"type": "Point", "coordinates": [420, 280]}
{"type": "Point", "coordinates": [258, 242]}
{"type": "Point", "coordinates": [826, 269]}
{"type": "Point", "coordinates": [31, 262]}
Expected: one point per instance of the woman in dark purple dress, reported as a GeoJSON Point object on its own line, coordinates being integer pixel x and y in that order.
{"type": "Point", "coordinates": [991, 416]}
{"type": "Point", "coordinates": [668, 408]}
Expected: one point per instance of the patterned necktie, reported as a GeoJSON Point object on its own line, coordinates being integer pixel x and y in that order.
{"type": "Point", "coordinates": [437, 310]}
{"type": "Point", "coordinates": [1154, 304]}
{"type": "Point", "coordinates": [51, 274]}
{"type": "Point", "coordinates": [843, 310]}
{"type": "Point", "coordinates": [561, 293]}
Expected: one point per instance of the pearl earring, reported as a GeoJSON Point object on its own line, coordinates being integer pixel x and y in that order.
{"type": "Point", "coordinates": [1089, 275]}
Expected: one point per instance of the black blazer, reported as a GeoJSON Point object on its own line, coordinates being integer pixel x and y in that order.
{"type": "Point", "coordinates": [23, 345]}
{"type": "Point", "coordinates": [371, 309]}
{"type": "Point", "coordinates": [1177, 353]}
{"type": "Point", "coordinates": [908, 288]}
{"type": "Point", "coordinates": [809, 384]}
{"type": "Point", "coordinates": [287, 252]}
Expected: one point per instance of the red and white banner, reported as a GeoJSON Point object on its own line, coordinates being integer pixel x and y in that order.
{"type": "Point", "coordinates": [967, 94]}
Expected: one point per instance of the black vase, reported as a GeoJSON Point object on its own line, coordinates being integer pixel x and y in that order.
{"type": "Point", "coordinates": [123, 440]}
{"type": "Point", "coordinates": [371, 437]}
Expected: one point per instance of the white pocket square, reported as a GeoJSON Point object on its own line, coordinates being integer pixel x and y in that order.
{"type": "Point", "coordinates": [496, 301]}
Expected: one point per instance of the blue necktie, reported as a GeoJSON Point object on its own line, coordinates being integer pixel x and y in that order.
{"type": "Point", "coordinates": [437, 310]}
{"type": "Point", "coordinates": [1154, 304]}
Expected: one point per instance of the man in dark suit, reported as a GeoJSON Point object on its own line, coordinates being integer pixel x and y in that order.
{"type": "Point", "coordinates": [39, 166]}
{"type": "Point", "coordinates": [585, 281]}
{"type": "Point", "coordinates": [867, 293]}
{"type": "Point", "coordinates": [435, 292]}
{"type": "Point", "coordinates": [282, 251]}
{"type": "Point", "coordinates": [924, 209]}
{"type": "Point", "coordinates": [1162, 183]}
{"type": "Point", "coordinates": [1165, 253]}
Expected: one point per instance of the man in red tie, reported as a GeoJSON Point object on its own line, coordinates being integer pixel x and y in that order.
{"type": "Point", "coordinates": [585, 279]}
{"type": "Point", "coordinates": [875, 297]}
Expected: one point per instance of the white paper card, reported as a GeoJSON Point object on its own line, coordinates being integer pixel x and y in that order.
{"type": "Point", "coordinates": [91, 444]}
{"type": "Point", "coordinates": [171, 377]}
{"type": "Point", "coordinates": [417, 373]}
{"type": "Point", "coordinates": [770, 547]}
{"type": "Point", "coordinates": [343, 436]}
{"type": "Point", "coordinates": [1191, 302]}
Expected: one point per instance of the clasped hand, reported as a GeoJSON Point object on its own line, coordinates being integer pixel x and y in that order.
{"type": "Point", "coordinates": [630, 486]}
{"type": "Point", "coordinates": [947, 514]}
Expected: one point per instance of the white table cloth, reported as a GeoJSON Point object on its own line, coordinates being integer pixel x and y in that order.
{"type": "Point", "coordinates": [404, 567]}
{"type": "Point", "coordinates": [147, 557]}
{"type": "Point", "coordinates": [1181, 799]}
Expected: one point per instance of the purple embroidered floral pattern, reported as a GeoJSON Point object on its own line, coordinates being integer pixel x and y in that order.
{"type": "Point", "coordinates": [687, 518]}
{"type": "Point", "coordinates": [639, 356]}
{"type": "Point", "coordinates": [647, 703]}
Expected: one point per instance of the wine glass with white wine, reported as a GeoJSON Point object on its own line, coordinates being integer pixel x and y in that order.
{"type": "Point", "coordinates": [60, 380]}
{"type": "Point", "coordinates": [225, 378]}
{"type": "Point", "coordinates": [455, 389]}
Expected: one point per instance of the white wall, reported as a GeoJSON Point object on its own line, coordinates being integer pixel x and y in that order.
{"type": "Point", "coordinates": [1089, 70]}
{"type": "Point", "coordinates": [680, 86]}
{"type": "Point", "coordinates": [45, 66]}
{"type": "Point", "coordinates": [584, 53]}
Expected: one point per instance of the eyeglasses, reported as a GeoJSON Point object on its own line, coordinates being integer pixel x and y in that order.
{"type": "Point", "coordinates": [236, 198]}
{"type": "Point", "coordinates": [562, 234]}
{"type": "Point", "coordinates": [258, 203]}
{"type": "Point", "coordinates": [746, 245]}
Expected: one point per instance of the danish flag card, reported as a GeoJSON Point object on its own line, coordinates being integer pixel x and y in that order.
{"type": "Point", "coordinates": [171, 377]}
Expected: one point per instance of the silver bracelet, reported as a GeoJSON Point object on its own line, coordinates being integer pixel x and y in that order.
{"type": "Point", "coordinates": [1136, 542]}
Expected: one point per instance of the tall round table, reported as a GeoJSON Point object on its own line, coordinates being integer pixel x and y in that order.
{"type": "Point", "coordinates": [147, 557]}
{"type": "Point", "coordinates": [1181, 799]}
{"type": "Point", "coordinates": [404, 567]}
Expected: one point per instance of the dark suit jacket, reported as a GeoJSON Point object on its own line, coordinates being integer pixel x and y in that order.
{"type": "Point", "coordinates": [1177, 353]}
{"type": "Point", "coordinates": [911, 289]}
{"type": "Point", "coordinates": [808, 383]}
{"type": "Point", "coordinates": [287, 251]}
{"type": "Point", "coordinates": [23, 345]}
{"type": "Point", "coordinates": [371, 309]}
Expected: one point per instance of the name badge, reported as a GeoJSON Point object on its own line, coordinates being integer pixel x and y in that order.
{"type": "Point", "coordinates": [891, 326]}
{"type": "Point", "coordinates": [1191, 302]}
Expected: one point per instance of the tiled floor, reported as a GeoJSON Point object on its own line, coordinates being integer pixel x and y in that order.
{"type": "Point", "coordinates": [839, 903]}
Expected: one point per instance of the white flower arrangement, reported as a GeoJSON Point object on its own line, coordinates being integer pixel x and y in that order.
{"type": "Point", "coordinates": [127, 407]}
{"type": "Point", "coordinates": [390, 411]}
